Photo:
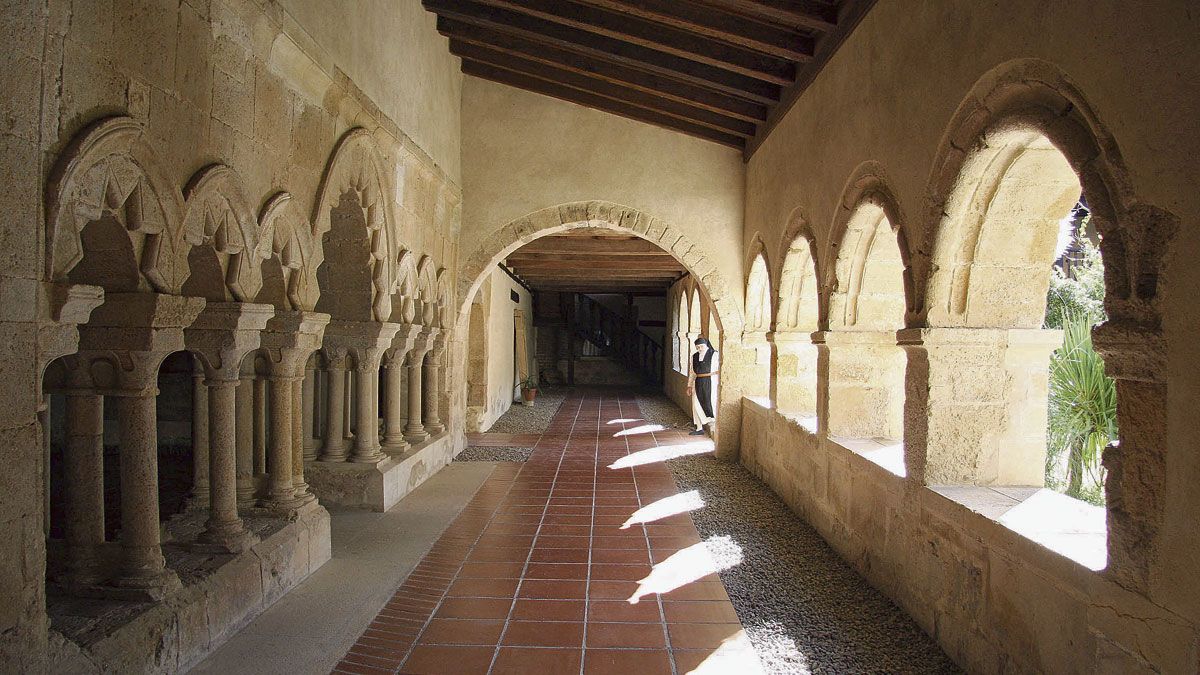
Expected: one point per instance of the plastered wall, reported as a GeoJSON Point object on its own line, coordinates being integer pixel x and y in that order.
{"type": "Point", "coordinates": [881, 106]}
{"type": "Point", "coordinates": [523, 152]}
{"type": "Point", "coordinates": [500, 371]}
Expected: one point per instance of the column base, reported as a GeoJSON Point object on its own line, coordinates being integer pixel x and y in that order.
{"type": "Point", "coordinates": [396, 448]}
{"type": "Point", "coordinates": [368, 457]}
{"type": "Point", "coordinates": [435, 428]}
{"type": "Point", "coordinates": [416, 436]}
{"type": "Point", "coordinates": [198, 501]}
{"type": "Point", "coordinates": [333, 455]}
{"type": "Point", "coordinates": [225, 539]}
{"type": "Point", "coordinates": [310, 452]}
{"type": "Point", "coordinates": [246, 491]}
{"type": "Point", "coordinates": [150, 587]}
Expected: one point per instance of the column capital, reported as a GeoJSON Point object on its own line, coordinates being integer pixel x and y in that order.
{"type": "Point", "coordinates": [365, 340]}
{"type": "Point", "coordinates": [224, 333]}
{"type": "Point", "coordinates": [291, 337]}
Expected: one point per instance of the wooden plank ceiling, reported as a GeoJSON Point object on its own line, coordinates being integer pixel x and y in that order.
{"type": "Point", "coordinates": [595, 260]}
{"type": "Point", "coordinates": [723, 70]}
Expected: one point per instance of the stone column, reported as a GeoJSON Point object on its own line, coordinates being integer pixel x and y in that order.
{"type": "Point", "coordinates": [84, 460]}
{"type": "Point", "coordinates": [224, 529]}
{"type": "Point", "coordinates": [260, 424]}
{"type": "Point", "coordinates": [223, 336]}
{"type": "Point", "coordinates": [334, 448]}
{"type": "Point", "coordinates": [143, 567]}
{"type": "Point", "coordinates": [246, 486]}
{"type": "Point", "coordinates": [300, 491]}
{"type": "Point", "coordinates": [307, 413]}
{"type": "Point", "coordinates": [394, 442]}
{"type": "Point", "coordinates": [199, 439]}
{"type": "Point", "coordinates": [127, 339]}
{"type": "Point", "coordinates": [280, 491]}
{"type": "Point", "coordinates": [975, 409]}
{"type": "Point", "coordinates": [414, 430]}
{"type": "Point", "coordinates": [366, 437]}
{"type": "Point", "coordinates": [431, 388]}
{"type": "Point", "coordinates": [864, 396]}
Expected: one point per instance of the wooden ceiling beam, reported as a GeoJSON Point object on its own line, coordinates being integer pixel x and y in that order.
{"type": "Point", "coordinates": [815, 15]}
{"type": "Point", "coordinates": [650, 262]}
{"type": "Point", "coordinates": [583, 83]}
{"type": "Point", "coordinates": [567, 244]}
{"type": "Point", "coordinates": [607, 71]}
{"type": "Point", "coordinates": [599, 46]}
{"type": "Point", "coordinates": [589, 100]}
{"type": "Point", "coordinates": [597, 275]}
{"type": "Point", "coordinates": [681, 43]}
{"type": "Point", "coordinates": [714, 23]}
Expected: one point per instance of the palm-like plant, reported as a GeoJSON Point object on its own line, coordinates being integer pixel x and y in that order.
{"type": "Point", "coordinates": [1083, 403]}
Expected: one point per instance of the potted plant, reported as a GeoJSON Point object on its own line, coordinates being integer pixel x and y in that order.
{"type": "Point", "coordinates": [528, 390]}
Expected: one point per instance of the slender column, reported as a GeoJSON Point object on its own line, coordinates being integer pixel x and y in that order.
{"type": "Point", "coordinates": [224, 528]}
{"type": "Point", "coordinates": [414, 431]}
{"type": "Point", "coordinates": [199, 439]}
{"type": "Point", "coordinates": [142, 563]}
{"type": "Point", "coordinates": [393, 414]}
{"type": "Point", "coordinates": [245, 440]}
{"type": "Point", "coordinates": [300, 491]}
{"type": "Point", "coordinates": [433, 366]}
{"type": "Point", "coordinates": [366, 438]}
{"type": "Point", "coordinates": [260, 425]}
{"type": "Point", "coordinates": [279, 456]}
{"type": "Point", "coordinates": [307, 413]}
{"type": "Point", "coordinates": [334, 448]}
{"type": "Point", "coordinates": [85, 485]}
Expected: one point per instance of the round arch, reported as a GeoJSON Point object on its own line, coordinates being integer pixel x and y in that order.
{"type": "Point", "coordinates": [723, 293]}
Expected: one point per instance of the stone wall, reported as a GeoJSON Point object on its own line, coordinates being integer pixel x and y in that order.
{"type": "Point", "coordinates": [894, 121]}
{"type": "Point", "coordinates": [263, 89]}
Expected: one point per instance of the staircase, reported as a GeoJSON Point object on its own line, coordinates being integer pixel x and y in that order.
{"type": "Point", "coordinates": [577, 333]}
{"type": "Point", "coordinates": [603, 332]}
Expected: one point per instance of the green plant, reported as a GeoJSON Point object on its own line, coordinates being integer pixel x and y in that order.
{"type": "Point", "coordinates": [1080, 293]}
{"type": "Point", "coordinates": [1083, 408]}
{"type": "Point", "coordinates": [530, 382]}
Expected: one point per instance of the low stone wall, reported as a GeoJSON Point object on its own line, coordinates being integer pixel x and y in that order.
{"type": "Point", "coordinates": [378, 487]}
{"type": "Point", "coordinates": [173, 635]}
{"type": "Point", "coordinates": [993, 599]}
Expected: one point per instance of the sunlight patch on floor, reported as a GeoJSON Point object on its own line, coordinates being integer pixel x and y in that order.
{"type": "Point", "coordinates": [686, 566]}
{"type": "Point", "coordinates": [665, 508]}
{"type": "Point", "coordinates": [662, 453]}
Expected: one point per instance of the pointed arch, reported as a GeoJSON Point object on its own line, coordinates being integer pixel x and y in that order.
{"type": "Point", "coordinates": [427, 290]}
{"type": "Point", "coordinates": [356, 167]}
{"type": "Point", "coordinates": [110, 171]}
{"type": "Point", "coordinates": [221, 230]}
{"type": "Point", "coordinates": [299, 254]}
{"type": "Point", "coordinates": [758, 289]}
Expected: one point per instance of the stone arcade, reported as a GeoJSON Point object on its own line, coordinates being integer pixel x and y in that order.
{"type": "Point", "coordinates": [250, 274]}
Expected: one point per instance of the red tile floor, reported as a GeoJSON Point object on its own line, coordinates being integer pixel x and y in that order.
{"type": "Point", "coordinates": [581, 560]}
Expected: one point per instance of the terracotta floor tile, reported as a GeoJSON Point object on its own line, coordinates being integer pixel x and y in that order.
{"type": "Point", "coordinates": [544, 634]}
{"type": "Point", "coordinates": [483, 588]}
{"type": "Point", "coordinates": [474, 608]}
{"type": "Point", "coordinates": [627, 662]}
{"type": "Point", "coordinates": [612, 590]}
{"type": "Point", "coordinates": [626, 635]}
{"type": "Point", "coordinates": [440, 660]}
{"type": "Point", "coordinates": [619, 610]}
{"type": "Point", "coordinates": [525, 661]}
{"type": "Point", "coordinates": [491, 570]}
{"type": "Point", "coordinates": [462, 632]}
{"type": "Point", "coordinates": [701, 635]}
{"type": "Point", "coordinates": [553, 588]}
{"type": "Point", "coordinates": [548, 610]}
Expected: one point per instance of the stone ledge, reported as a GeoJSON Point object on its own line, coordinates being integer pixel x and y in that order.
{"type": "Point", "coordinates": [377, 487]}
{"type": "Point", "coordinates": [180, 631]}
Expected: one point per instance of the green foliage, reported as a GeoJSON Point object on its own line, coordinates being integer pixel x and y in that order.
{"type": "Point", "coordinates": [1083, 400]}
{"type": "Point", "coordinates": [1081, 294]}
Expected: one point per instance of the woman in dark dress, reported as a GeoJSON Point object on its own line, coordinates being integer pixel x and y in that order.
{"type": "Point", "coordinates": [701, 385]}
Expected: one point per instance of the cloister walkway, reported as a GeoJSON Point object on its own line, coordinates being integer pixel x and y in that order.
{"type": "Point", "coordinates": [582, 559]}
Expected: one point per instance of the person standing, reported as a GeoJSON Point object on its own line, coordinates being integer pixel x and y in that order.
{"type": "Point", "coordinates": [700, 384]}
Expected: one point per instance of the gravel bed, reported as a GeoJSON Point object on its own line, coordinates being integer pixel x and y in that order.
{"type": "Point", "coordinates": [498, 454]}
{"type": "Point", "coordinates": [534, 419]}
{"type": "Point", "coordinates": [804, 608]}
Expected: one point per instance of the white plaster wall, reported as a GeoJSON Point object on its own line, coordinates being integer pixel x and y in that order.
{"type": "Point", "coordinates": [523, 152]}
{"type": "Point", "coordinates": [502, 385]}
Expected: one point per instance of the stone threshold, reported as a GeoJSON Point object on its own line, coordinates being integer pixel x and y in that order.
{"type": "Point", "coordinates": [379, 486]}
{"type": "Point", "coordinates": [220, 594]}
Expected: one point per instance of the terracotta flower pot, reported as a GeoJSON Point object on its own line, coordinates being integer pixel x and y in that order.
{"type": "Point", "coordinates": [527, 395]}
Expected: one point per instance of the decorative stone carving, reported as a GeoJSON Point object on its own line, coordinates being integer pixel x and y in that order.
{"type": "Point", "coordinates": [356, 166]}
{"type": "Point", "coordinates": [219, 216]}
{"type": "Point", "coordinates": [299, 252]}
{"type": "Point", "coordinates": [110, 170]}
